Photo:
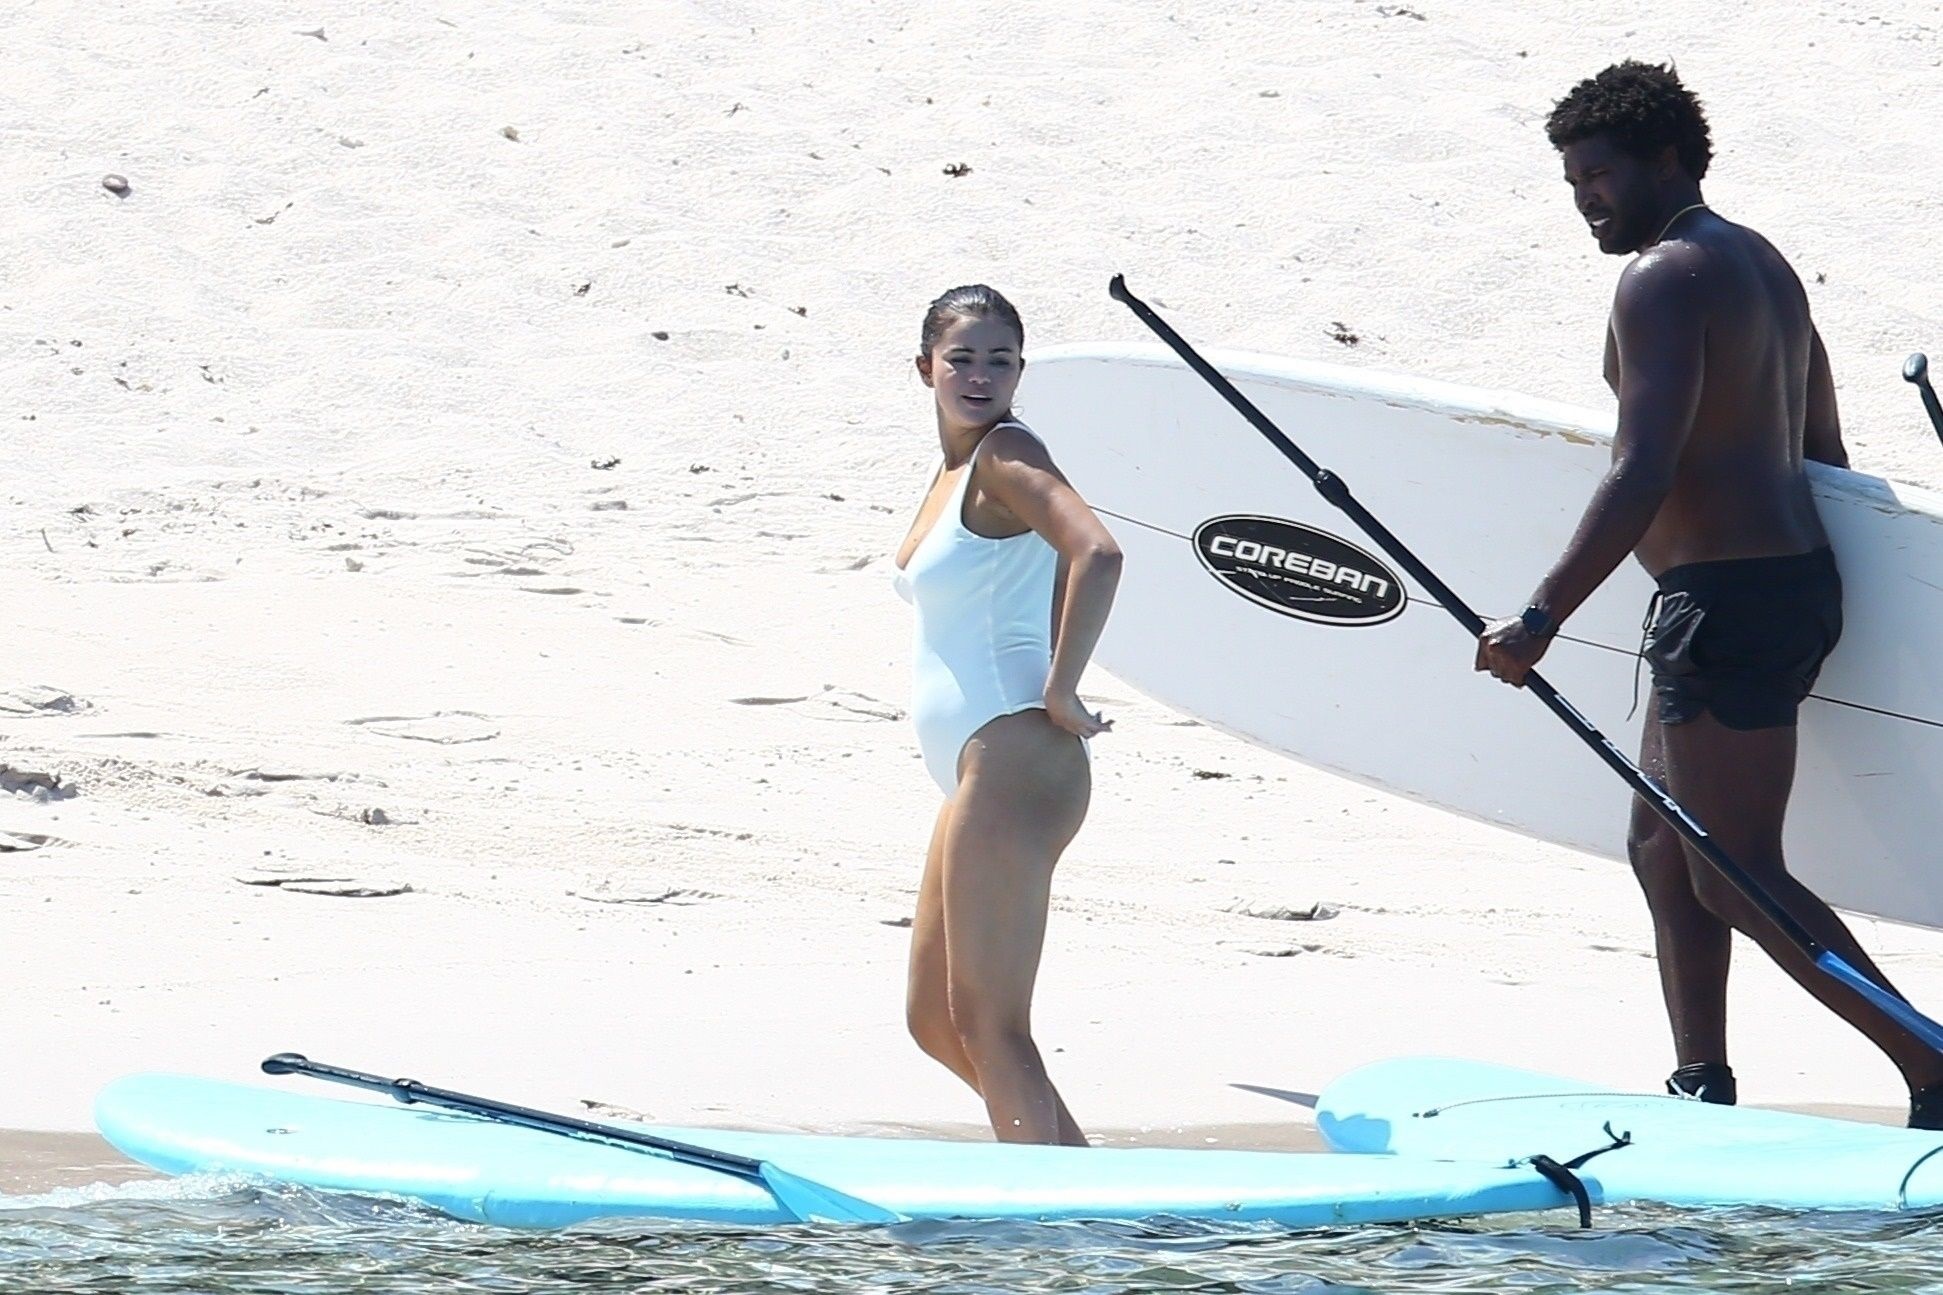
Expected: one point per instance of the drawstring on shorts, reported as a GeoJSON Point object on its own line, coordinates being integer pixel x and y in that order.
{"type": "Point", "coordinates": [1645, 637]}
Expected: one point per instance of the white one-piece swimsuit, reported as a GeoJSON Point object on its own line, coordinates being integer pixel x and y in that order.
{"type": "Point", "coordinates": [983, 641]}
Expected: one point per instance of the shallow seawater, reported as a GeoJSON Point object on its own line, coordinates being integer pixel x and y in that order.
{"type": "Point", "coordinates": [210, 1237]}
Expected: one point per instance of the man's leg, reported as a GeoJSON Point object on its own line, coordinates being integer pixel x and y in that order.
{"type": "Point", "coordinates": [1692, 943]}
{"type": "Point", "coordinates": [1736, 783]}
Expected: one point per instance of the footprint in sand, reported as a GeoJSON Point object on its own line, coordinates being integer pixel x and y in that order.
{"type": "Point", "coordinates": [849, 707]}
{"type": "Point", "coordinates": [34, 783]}
{"type": "Point", "coordinates": [38, 700]}
{"type": "Point", "coordinates": [259, 782]}
{"type": "Point", "coordinates": [493, 568]}
{"type": "Point", "coordinates": [731, 501]}
{"type": "Point", "coordinates": [445, 727]}
{"type": "Point", "coordinates": [1316, 912]}
{"type": "Point", "coordinates": [528, 559]}
{"type": "Point", "coordinates": [609, 1111]}
{"type": "Point", "coordinates": [856, 564]}
{"type": "Point", "coordinates": [839, 705]}
{"type": "Point", "coordinates": [603, 891]}
{"type": "Point", "coordinates": [1279, 950]}
{"type": "Point", "coordinates": [337, 887]}
{"type": "Point", "coordinates": [274, 775]}
{"type": "Point", "coordinates": [370, 815]}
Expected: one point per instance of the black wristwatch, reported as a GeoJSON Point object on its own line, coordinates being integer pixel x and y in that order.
{"type": "Point", "coordinates": [1537, 622]}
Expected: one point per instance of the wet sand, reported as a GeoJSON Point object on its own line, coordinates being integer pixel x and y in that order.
{"type": "Point", "coordinates": [33, 1162]}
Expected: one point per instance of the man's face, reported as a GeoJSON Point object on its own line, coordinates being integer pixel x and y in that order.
{"type": "Point", "coordinates": [1616, 193]}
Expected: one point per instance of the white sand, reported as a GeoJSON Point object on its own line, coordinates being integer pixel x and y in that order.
{"type": "Point", "coordinates": [300, 512]}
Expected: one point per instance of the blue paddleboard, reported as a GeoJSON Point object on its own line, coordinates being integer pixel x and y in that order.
{"type": "Point", "coordinates": [1676, 1151]}
{"type": "Point", "coordinates": [491, 1172]}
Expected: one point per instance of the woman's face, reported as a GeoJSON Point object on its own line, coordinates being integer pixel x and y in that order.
{"type": "Point", "coordinates": [974, 369]}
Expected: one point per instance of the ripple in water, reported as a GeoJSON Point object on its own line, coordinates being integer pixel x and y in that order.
{"type": "Point", "coordinates": [216, 1237]}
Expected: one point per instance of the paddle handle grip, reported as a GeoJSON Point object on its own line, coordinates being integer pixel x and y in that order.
{"type": "Point", "coordinates": [1916, 370]}
{"type": "Point", "coordinates": [296, 1063]}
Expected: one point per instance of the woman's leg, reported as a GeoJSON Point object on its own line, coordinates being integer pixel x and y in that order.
{"type": "Point", "coordinates": [1022, 795]}
{"type": "Point", "coordinates": [927, 998]}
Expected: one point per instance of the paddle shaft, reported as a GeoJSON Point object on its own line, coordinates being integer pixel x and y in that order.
{"type": "Point", "coordinates": [1332, 488]}
{"type": "Point", "coordinates": [412, 1092]}
{"type": "Point", "coordinates": [1916, 370]}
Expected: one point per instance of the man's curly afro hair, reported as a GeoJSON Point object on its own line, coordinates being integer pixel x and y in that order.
{"type": "Point", "coordinates": [1642, 108]}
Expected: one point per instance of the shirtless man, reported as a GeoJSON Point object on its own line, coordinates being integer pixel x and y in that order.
{"type": "Point", "coordinates": [1723, 389]}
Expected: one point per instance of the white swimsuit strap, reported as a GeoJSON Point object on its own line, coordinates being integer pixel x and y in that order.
{"type": "Point", "coordinates": [1010, 422]}
{"type": "Point", "coordinates": [964, 482]}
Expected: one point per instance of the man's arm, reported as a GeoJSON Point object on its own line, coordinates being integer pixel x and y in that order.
{"type": "Point", "coordinates": [1659, 323]}
{"type": "Point", "coordinates": [1659, 328]}
{"type": "Point", "coordinates": [1822, 430]}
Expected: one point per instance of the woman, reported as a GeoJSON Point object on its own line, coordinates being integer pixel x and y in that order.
{"type": "Point", "coordinates": [1012, 576]}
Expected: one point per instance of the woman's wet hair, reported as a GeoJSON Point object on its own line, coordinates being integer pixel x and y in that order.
{"type": "Point", "coordinates": [972, 301]}
{"type": "Point", "coordinates": [1642, 108]}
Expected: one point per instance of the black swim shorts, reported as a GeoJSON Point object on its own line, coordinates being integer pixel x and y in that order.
{"type": "Point", "coordinates": [1743, 638]}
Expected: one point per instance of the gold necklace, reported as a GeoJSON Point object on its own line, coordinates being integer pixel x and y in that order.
{"type": "Point", "coordinates": [1698, 206]}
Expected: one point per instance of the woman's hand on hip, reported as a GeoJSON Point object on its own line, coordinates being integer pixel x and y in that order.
{"type": "Point", "coordinates": [1066, 710]}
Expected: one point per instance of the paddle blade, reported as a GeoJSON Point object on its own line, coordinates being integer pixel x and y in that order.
{"type": "Point", "coordinates": [1896, 1007]}
{"type": "Point", "coordinates": [818, 1203]}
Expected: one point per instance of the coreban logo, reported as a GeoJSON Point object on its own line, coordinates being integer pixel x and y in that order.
{"type": "Point", "coordinates": [1298, 570]}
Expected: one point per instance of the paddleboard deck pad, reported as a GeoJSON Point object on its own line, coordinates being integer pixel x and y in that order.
{"type": "Point", "coordinates": [491, 1172]}
{"type": "Point", "coordinates": [1675, 1151]}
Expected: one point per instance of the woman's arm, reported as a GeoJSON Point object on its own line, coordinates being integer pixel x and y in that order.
{"type": "Point", "coordinates": [1020, 477]}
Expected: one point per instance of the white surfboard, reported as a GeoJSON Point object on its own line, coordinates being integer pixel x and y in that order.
{"type": "Point", "coordinates": [1252, 604]}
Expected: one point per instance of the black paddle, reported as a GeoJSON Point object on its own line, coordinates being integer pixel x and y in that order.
{"type": "Point", "coordinates": [1332, 488]}
{"type": "Point", "coordinates": [1916, 369]}
{"type": "Point", "coordinates": [809, 1202]}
